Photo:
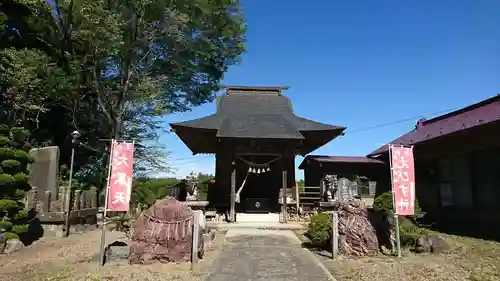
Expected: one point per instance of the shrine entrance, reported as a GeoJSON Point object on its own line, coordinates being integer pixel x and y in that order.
{"type": "Point", "coordinates": [255, 135]}
{"type": "Point", "coordinates": [258, 179]}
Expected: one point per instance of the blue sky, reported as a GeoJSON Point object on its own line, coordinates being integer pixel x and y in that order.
{"type": "Point", "coordinates": [362, 64]}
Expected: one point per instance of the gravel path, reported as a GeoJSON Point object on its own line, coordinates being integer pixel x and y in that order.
{"type": "Point", "coordinates": [74, 258]}
{"type": "Point", "coordinates": [265, 255]}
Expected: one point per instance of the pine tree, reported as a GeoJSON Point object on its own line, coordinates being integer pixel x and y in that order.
{"type": "Point", "coordinates": [14, 160]}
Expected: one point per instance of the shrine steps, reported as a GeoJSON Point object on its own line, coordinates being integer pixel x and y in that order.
{"type": "Point", "coordinates": [258, 225]}
{"type": "Point", "coordinates": [269, 217]}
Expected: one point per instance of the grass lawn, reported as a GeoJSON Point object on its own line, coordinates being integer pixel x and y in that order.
{"type": "Point", "coordinates": [469, 259]}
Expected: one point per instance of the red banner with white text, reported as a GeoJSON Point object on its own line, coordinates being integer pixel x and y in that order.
{"type": "Point", "coordinates": [120, 180]}
{"type": "Point", "coordinates": [403, 179]}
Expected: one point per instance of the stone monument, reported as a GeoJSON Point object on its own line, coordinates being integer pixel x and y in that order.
{"type": "Point", "coordinates": [43, 173]}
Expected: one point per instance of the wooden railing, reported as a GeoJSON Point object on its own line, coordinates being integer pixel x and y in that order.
{"type": "Point", "coordinates": [309, 196]}
{"type": "Point", "coordinates": [52, 208]}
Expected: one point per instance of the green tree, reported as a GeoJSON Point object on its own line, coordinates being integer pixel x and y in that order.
{"type": "Point", "coordinates": [14, 159]}
{"type": "Point", "coordinates": [301, 184]}
{"type": "Point", "coordinates": [114, 67]}
{"type": "Point", "coordinates": [202, 179]}
{"type": "Point", "coordinates": [146, 191]}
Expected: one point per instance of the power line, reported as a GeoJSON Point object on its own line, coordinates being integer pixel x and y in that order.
{"type": "Point", "coordinates": [195, 158]}
{"type": "Point", "coordinates": [192, 158]}
{"type": "Point", "coordinates": [397, 122]}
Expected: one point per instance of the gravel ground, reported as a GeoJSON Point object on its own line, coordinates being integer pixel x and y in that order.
{"type": "Point", "coordinates": [469, 260]}
{"type": "Point", "coordinates": [74, 258]}
{"type": "Point", "coordinates": [267, 256]}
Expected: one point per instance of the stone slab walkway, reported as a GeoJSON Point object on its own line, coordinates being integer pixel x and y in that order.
{"type": "Point", "coordinates": [260, 255]}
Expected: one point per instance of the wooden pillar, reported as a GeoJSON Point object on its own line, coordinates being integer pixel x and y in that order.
{"type": "Point", "coordinates": [232, 212]}
{"type": "Point", "coordinates": [297, 197]}
{"type": "Point", "coordinates": [285, 185]}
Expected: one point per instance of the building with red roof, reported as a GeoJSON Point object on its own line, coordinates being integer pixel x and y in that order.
{"type": "Point", "coordinates": [457, 167]}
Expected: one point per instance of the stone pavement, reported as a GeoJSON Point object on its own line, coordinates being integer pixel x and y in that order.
{"type": "Point", "coordinates": [265, 255]}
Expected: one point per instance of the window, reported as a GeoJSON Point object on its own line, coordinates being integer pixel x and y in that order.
{"type": "Point", "coordinates": [455, 182]}
{"type": "Point", "coordinates": [487, 178]}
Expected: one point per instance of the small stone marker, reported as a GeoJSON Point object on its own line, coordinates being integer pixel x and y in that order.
{"type": "Point", "coordinates": [343, 189]}
{"type": "Point", "coordinates": [13, 245]}
{"type": "Point", "coordinates": [117, 251]}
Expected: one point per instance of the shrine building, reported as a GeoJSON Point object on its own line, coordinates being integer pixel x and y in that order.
{"type": "Point", "coordinates": [255, 136]}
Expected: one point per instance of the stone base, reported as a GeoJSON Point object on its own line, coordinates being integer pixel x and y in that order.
{"type": "Point", "coordinates": [57, 230]}
{"type": "Point", "coordinates": [117, 252]}
{"type": "Point", "coordinates": [208, 238]}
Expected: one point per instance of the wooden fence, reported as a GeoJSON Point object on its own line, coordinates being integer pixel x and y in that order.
{"type": "Point", "coordinates": [52, 208]}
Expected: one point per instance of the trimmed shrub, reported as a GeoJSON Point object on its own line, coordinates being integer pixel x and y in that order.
{"type": "Point", "coordinates": [319, 230]}
{"type": "Point", "coordinates": [409, 231]}
{"type": "Point", "coordinates": [384, 203]}
{"type": "Point", "coordinates": [14, 158]}
{"type": "Point", "coordinates": [10, 235]}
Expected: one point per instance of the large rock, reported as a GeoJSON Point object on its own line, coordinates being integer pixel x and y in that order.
{"type": "Point", "coordinates": [431, 243]}
{"type": "Point", "coordinates": [357, 236]}
{"type": "Point", "coordinates": [13, 245]}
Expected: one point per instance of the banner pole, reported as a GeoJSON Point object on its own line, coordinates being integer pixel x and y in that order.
{"type": "Point", "coordinates": [396, 217]}
{"type": "Point", "coordinates": [103, 230]}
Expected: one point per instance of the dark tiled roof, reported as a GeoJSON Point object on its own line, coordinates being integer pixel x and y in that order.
{"type": "Point", "coordinates": [237, 105]}
{"type": "Point", "coordinates": [478, 114]}
{"type": "Point", "coordinates": [267, 126]}
{"type": "Point", "coordinates": [339, 159]}
{"type": "Point", "coordinates": [257, 112]}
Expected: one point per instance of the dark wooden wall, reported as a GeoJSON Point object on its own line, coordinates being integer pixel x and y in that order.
{"type": "Point", "coordinates": [314, 171]}
{"type": "Point", "coordinates": [265, 185]}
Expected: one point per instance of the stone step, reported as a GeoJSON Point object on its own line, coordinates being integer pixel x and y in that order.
{"type": "Point", "coordinates": [258, 225]}
{"type": "Point", "coordinates": [271, 217]}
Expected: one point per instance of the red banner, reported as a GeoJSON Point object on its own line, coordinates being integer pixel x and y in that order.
{"type": "Point", "coordinates": [120, 180]}
{"type": "Point", "coordinates": [403, 179]}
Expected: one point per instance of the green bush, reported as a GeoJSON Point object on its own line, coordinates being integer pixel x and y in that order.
{"type": "Point", "coordinates": [384, 203]}
{"type": "Point", "coordinates": [4, 140]}
{"type": "Point", "coordinates": [21, 215]}
{"type": "Point", "coordinates": [319, 230]}
{"type": "Point", "coordinates": [14, 158]}
{"type": "Point", "coordinates": [4, 130]}
{"type": "Point", "coordinates": [20, 229]}
{"type": "Point", "coordinates": [6, 152]}
{"type": "Point", "coordinates": [409, 232]}
{"type": "Point", "coordinates": [9, 235]}
{"type": "Point", "coordinates": [6, 179]}
{"type": "Point", "coordinates": [7, 204]}
{"type": "Point", "coordinates": [21, 156]}
{"type": "Point", "coordinates": [11, 165]}
{"type": "Point", "coordinates": [5, 225]}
